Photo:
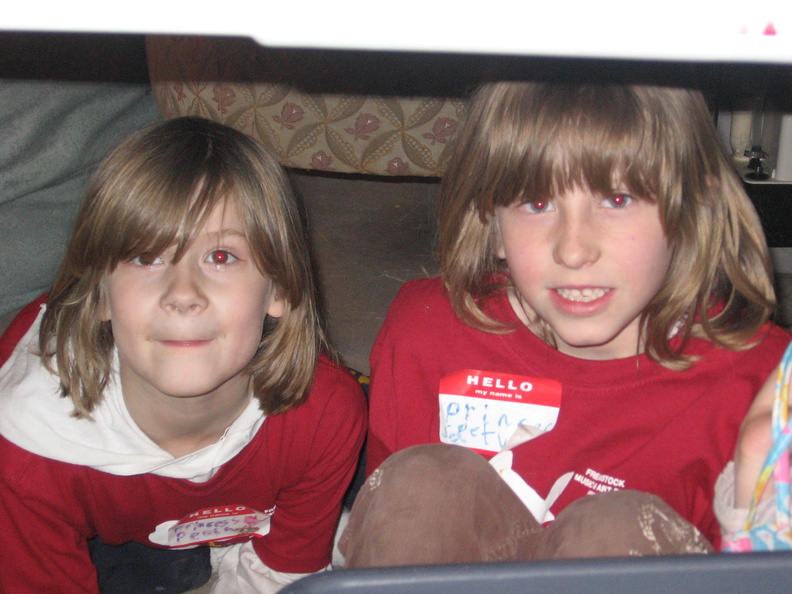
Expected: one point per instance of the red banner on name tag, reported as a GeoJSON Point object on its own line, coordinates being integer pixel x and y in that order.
{"type": "Point", "coordinates": [503, 386]}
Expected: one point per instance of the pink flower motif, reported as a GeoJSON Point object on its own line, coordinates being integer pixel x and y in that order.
{"type": "Point", "coordinates": [179, 88]}
{"type": "Point", "coordinates": [397, 167]}
{"type": "Point", "coordinates": [364, 125]}
{"type": "Point", "coordinates": [442, 130]}
{"type": "Point", "coordinates": [290, 115]}
{"type": "Point", "coordinates": [224, 96]}
{"type": "Point", "coordinates": [321, 161]}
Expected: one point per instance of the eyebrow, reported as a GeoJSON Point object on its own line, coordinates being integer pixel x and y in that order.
{"type": "Point", "coordinates": [223, 233]}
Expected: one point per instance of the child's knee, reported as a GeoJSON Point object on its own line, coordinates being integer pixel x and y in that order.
{"type": "Point", "coordinates": [620, 523]}
{"type": "Point", "coordinates": [436, 503]}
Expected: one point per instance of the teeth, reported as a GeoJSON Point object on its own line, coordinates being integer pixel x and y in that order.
{"type": "Point", "coordinates": [581, 295]}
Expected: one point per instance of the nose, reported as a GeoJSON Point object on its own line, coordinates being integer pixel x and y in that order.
{"type": "Point", "coordinates": [576, 240]}
{"type": "Point", "coordinates": [183, 293]}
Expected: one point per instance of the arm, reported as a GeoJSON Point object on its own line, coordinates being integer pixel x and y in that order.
{"type": "Point", "coordinates": [405, 377]}
{"type": "Point", "coordinates": [316, 456]}
{"type": "Point", "coordinates": [753, 445]}
{"type": "Point", "coordinates": [44, 548]}
{"type": "Point", "coordinates": [736, 484]}
{"type": "Point", "coordinates": [399, 412]}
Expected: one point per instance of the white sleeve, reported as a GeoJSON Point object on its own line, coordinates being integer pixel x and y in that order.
{"type": "Point", "coordinates": [240, 571]}
{"type": "Point", "coordinates": [732, 519]}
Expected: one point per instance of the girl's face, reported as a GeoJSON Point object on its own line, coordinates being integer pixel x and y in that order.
{"type": "Point", "coordinates": [586, 265]}
{"type": "Point", "coordinates": [189, 328]}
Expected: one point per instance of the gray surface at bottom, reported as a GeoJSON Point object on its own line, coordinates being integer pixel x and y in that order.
{"type": "Point", "coordinates": [753, 572]}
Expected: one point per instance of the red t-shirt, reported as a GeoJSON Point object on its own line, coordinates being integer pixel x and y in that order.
{"type": "Point", "coordinates": [623, 424]}
{"type": "Point", "coordinates": [299, 462]}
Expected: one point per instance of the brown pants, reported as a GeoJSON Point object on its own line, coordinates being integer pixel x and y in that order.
{"type": "Point", "coordinates": [438, 503]}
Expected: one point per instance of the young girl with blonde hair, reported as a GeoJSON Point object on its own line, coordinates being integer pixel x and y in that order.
{"type": "Point", "coordinates": [600, 328]}
{"type": "Point", "coordinates": [174, 389]}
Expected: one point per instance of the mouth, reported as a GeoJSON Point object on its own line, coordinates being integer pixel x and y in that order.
{"type": "Point", "coordinates": [184, 343]}
{"type": "Point", "coordinates": [586, 295]}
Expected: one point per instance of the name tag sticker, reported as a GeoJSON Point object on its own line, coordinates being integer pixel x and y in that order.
{"type": "Point", "coordinates": [216, 526]}
{"type": "Point", "coordinates": [489, 412]}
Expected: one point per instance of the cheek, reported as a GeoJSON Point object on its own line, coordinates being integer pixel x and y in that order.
{"type": "Point", "coordinates": [641, 235]}
{"type": "Point", "coordinates": [507, 241]}
{"type": "Point", "coordinates": [125, 311]}
{"type": "Point", "coordinates": [127, 338]}
{"type": "Point", "coordinates": [650, 245]}
{"type": "Point", "coordinates": [650, 261]}
{"type": "Point", "coordinates": [248, 341]}
{"type": "Point", "coordinates": [527, 272]}
{"type": "Point", "coordinates": [522, 252]}
{"type": "Point", "coordinates": [122, 294]}
{"type": "Point", "coordinates": [248, 319]}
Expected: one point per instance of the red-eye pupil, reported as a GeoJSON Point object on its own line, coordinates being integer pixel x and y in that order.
{"type": "Point", "coordinates": [220, 257]}
{"type": "Point", "coordinates": [539, 205]}
{"type": "Point", "coordinates": [619, 199]}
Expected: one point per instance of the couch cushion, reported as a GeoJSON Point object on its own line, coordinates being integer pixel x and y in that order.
{"type": "Point", "coordinates": [54, 133]}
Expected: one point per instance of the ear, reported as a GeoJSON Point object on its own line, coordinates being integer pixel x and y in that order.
{"type": "Point", "coordinates": [497, 239]}
{"type": "Point", "coordinates": [104, 302]}
{"type": "Point", "coordinates": [713, 182]}
{"type": "Point", "coordinates": [277, 303]}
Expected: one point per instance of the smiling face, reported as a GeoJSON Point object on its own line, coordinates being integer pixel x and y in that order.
{"type": "Point", "coordinates": [585, 265]}
{"type": "Point", "coordinates": [190, 328]}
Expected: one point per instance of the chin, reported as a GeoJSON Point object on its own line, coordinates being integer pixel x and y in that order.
{"type": "Point", "coordinates": [593, 345]}
{"type": "Point", "coordinates": [179, 390]}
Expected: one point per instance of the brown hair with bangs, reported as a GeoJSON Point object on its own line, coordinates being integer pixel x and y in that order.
{"type": "Point", "coordinates": [529, 141]}
{"type": "Point", "coordinates": [155, 191]}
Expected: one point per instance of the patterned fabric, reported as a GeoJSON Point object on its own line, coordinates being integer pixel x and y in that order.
{"type": "Point", "coordinates": [228, 80]}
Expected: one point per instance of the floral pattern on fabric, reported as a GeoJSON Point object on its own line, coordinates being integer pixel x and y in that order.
{"type": "Point", "coordinates": [225, 80]}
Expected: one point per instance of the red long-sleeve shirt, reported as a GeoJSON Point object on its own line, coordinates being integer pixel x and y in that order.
{"type": "Point", "coordinates": [627, 423]}
{"type": "Point", "coordinates": [299, 462]}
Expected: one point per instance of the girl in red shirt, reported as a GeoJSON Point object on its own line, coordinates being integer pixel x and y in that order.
{"type": "Point", "coordinates": [600, 328]}
{"type": "Point", "coordinates": [175, 390]}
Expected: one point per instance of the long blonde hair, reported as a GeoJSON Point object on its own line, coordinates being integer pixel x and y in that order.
{"type": "Point", "coordinates": [525, 140]}
{"type": "Point", "coordinates": [156, 191]}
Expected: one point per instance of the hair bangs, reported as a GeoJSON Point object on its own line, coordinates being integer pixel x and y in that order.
{"type": "Point", "coordinates": [556, 138]}
{"type": "Point", "coordinates": [167, 201]}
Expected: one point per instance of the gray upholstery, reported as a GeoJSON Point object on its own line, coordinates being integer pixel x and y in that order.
{"type": "Point", "coordinates": [53, 134]}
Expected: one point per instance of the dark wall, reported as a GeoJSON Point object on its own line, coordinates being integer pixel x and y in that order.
{"type": "Point", "coordinates": [73, 57]}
